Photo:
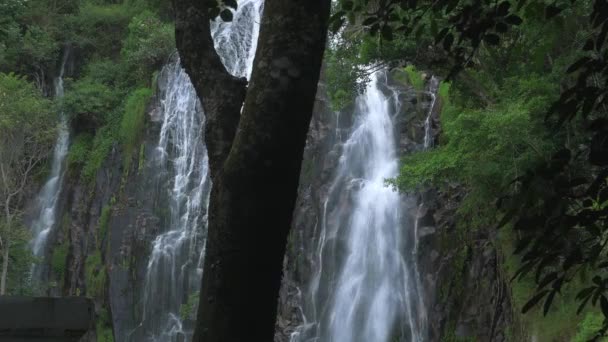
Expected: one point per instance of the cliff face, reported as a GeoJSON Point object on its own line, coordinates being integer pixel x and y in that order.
{"type": "Point", "coordinates": [108, 225]}
{"type": "Point", "coordinates": [106, 229]}
{"type": "Point", "coordinates": [465, 294]}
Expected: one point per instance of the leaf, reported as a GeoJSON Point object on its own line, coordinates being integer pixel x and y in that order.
{"type": "Point", "coordinates": [441, 35]}
{"type": "Point", "coordinates": [336, 25]}
{"type": "Point", "coordinates": [369, 21]}
{"type": "Point", "coordinates": [604, 305]}
{"type": "Point", "coordinates": [387, 32]}
{"type": "Point", "coordinates": [347, 5]}
{"type": "Point", "coordinates": [548, 302]}
{"type": "Point", "coordinates": [537, 297]}
{"type": "Point", "coordinates": [578, 64]}
{"type": "Point", "coordinates": [448, 41]}
{"type": "Point", "coordinates": [547, 279]}
{"type": "Point", "coordinates": [226, 15]}
{"type": "Point", "coordinates": [231, 4]}
{"type": "Point", "coordinates": [513, 20]}
{"type": "Point", "coordinates": [551, 11]}
{"type": "Point", "coordinates": [503, 8]}
{"type": "Point", "coordinates": [214, 12]}
{"type": "Point", "coordinates": [491, 39]}
{"type": "Point", "coordinates": [501, 27]}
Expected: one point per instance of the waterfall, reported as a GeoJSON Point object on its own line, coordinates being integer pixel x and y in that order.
{"type": "Point", "coordinates": [364, 287]}
{"type": "Point", "coordinates": [175, 264]}
{"type": "Point", "coordinates": [48, 198]}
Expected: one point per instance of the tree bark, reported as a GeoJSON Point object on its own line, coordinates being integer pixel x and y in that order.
{"type": "Point", "coordinates": [255, 183]}
{"type": "Point", "coordinates": [222, 94]}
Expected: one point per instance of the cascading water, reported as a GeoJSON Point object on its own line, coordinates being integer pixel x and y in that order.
{"type": "Point", "coordinates": [364, 287]}
{"type": "Point", "coordinates": [174, 269]}
{"type": "Point", "coordinates": [48, 198]}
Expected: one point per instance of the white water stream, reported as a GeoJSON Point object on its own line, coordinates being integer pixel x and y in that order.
{"type": "Point", "coordinates": [174, 268]}
{"type": "Point", "coordinates": [365, 287]}
{"type": "Point", "coordinates": [48, 198]}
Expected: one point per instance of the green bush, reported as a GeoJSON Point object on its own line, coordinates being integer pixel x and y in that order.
{"type": "Point", "coordinates": [88, 102]}
{"type": "Point", "coordinates": [148, 45]}
{"type": "Point", "coordinates": [483, 148]}
{"type": "Point", "coordinates": [80, 150]}
{"type": "Point", "coordinates": [100, 27]}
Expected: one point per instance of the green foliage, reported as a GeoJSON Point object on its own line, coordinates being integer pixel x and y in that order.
{"type": "Point", "coordinates": [148, 44]}
{"type": "Point", "coordinates": [59, 260]}
{"type": "Point", "coordinates": [588, 328]}
{"type": "Point", "coordinates": [22, 106]}
{"type": "Point", "coordinates": [187, 310]}
{"type": "Point", "coordinates": [102, 144]}
{"type": "Point", "coordinates": [95, 275]}
{"type": "Point", "coordinates": [100, 27]}
{"type": "Point", "coordinates": [484, 149]}
{"type": "Point", "coordinates": [142, 158]}
{"type": "Point", "coordinates": [415, 77]}
{"type": "Point", "coordinates": [103, 327]}
{"type": "Point", "coordinates": [133, 120]}
{"type": "Point", "coordinates": [88, 102]}
{"type": "Point", "coordinates": [104, 221]}
{"type": "Point", "coordinates": [562, 321]}
{"type": "Point", "coordinates": [20, 260]}
{"type": "Point", "coordinates": [79, 152]}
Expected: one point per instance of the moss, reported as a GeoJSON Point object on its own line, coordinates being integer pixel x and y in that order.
{"type": "Point", "coordinates": [589, 326]}
{"type": "Point", "coordinates": [186, 310]}
{"type": "Point", "coordinates": [415, 77]}
{"type": "Point", "coordinates": [95, 275]}
{"type": "Point", "coordinates": [102, 144]}
{"type": "Point", "coordinates": [59, 260]}
{"type": "Point", "coordinates": [104, 220]}
{"type": "Point", "coordinates": [103, 327]}
{"type": "Point", "coordinates": [133, 121]}
{"type": "Point", "coordinates": [79, 151]}
{"type": "Point", "coordinates": [142, 158]}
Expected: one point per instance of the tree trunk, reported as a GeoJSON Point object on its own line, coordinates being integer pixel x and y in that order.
{"type": "Point", "coordinates": [5, 251]}
{"type": "Point", "coordinates": [255, 182]}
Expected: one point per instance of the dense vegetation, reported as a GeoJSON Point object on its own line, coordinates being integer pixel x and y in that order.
{"type": "Point", "coordinates": [110, 52]}
{"type": "Point", "coordinates": [523, 130]}
{"type": "Point", "coordinates": [523, 124]}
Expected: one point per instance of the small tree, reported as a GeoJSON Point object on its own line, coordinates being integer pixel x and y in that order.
{"type": "Point", "coordinates": [26, 133]}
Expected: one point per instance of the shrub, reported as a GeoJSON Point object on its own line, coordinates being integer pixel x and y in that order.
{"type": "Point", "coordinates": [88, 102]}
{"type": "Point", "coordinates": [148, 45]}
{"type": "Point", "coordinates": [79, 151]}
